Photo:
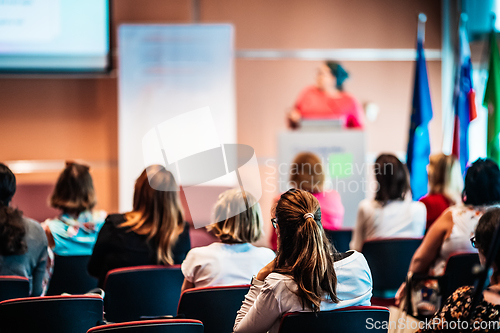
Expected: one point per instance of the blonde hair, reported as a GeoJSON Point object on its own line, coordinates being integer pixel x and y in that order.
{"type": "Point", "coordinates": [157, 214]}
{"type": "Point", "coordinates": [233, 221]}
{"type": "Point", "coordinates": [306, 173]}
{"type": "Point", "coordinates": [445, 177]}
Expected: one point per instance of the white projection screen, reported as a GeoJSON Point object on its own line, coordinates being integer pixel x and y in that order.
{"type": "Point", "coordinates": [54, 36]}
{"type": "Point", "coordinates": [166, 71]}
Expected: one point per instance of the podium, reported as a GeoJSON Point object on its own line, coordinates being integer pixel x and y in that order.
{"type": "Point", "coordinates": [342, 152]}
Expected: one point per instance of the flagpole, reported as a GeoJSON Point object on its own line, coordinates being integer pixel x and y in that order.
{"type": "Point", "coordinates": [422, 18]}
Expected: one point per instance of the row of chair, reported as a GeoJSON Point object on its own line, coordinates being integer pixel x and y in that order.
{"type": "Point", "coordinates": [80, 314]}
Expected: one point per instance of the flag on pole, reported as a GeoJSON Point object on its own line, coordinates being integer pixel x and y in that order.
{"type": "Point", "coordinates": [463, 100]}
{"type": "Point", "coordinates": [419, 146]}
{"type": "Point", "coordinates": [492, 100]}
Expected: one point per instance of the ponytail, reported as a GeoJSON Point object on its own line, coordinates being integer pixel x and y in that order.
{"type": "Point", "coordinates": [304, 252]}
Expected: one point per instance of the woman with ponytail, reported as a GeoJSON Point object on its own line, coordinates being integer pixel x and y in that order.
{"type": "Point", "coordinates": [23, 245]}
{"type": "Point", "coordinates": [308, 274]}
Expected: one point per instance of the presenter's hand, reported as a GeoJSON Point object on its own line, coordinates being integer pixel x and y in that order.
{"type": "Point", "coordinates": [294, 118]}
{"type": "Point", "coordinates": [268, 269]}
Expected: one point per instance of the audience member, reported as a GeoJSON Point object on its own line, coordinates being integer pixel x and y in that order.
{"type": "Point", "coordinates": [234, 260]}
{"type": "Point", "coordinates": [445, 186]}
{"type": "Point", "coordinates": [23, 245]}
{"type": "Point", "coordinates": [154, 232]}
{"type": "Point", "coordinates": [307, 273]}
{"type": "Point", "coordinates": [452, 230]}
{"type": "Point", "coordinates": [458, 306]}
{"type": "Point", "coordinates": [74, 232]}
{"type": "Point", "coordinates": [306, 173]}
{"type": "Point", "coordinates": [390, 214]}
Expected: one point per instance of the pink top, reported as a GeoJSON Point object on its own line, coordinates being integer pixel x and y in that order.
{"type": "Point", "coordinates": [332, 210]}
{"type": "Point", "coordinates": [314, 103]}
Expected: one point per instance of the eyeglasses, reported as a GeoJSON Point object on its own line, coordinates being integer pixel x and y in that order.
{"type": "Point", "coordinates": [274, 222]}
{"type": "Point", "coordinates": [473, 242]}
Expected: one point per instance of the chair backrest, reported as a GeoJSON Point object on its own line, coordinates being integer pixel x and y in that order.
{"type": "Point", "coordinates": [51, 314]}
{"type": "Point", "coordinates": [216, 307]}
{"type": "Point", "coordinates": [71, 276]}
{"type": "Point", "coordinates": [357, 319]}
{"type": "Point", "coordinates": [142, 291]}
{"type": "Point", "coordinates": [340, 238]}
{"type": "Point", "coordinates": [458, 272]}
{"type": "Point", "coordinates": [13, 287]}
{"type": "Point", "coordinates": [153, 326]}
{"type": "Point", "coordinates": [389, 260]}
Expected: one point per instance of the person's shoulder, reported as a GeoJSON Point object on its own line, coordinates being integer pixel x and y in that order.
{"type": "Point", "coordinates": [35, 230]}
{"type": "Point", "coordinates": [263, 252]}
{"type": "Point", "coordinates": [368, 204]}
{"type": "Point", "coordinates": [114, 220]}
{"type": "Point", "coordinates": [277, 282]}
{"type": "Point", "coordinates": [207, 251]}
{"type": "Point", "coordinates": [462, 294]}
{"type": "Point", "coordinates": [307, 91]}
{"type": "Point", "coordinates": [418, 206]}
{"type": "Point", "coordinates": [99, 216]}
{"type": "Point", "coordinates": [33, 226]}
{"type": "Point", "coordinates": [353, 256]}
{"type": "Point", "coordinates": [329, 195]}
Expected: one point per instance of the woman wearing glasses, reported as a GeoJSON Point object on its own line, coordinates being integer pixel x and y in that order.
{"type": "Point", "coordinates": [307, 274]}
{"type": "Point", "coordinates": [457, 306]}
{"type": "Point", "coordinates": [452, 230]}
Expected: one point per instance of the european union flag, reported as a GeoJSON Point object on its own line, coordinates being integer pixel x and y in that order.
{"type": "Point", "coordinates": [419, 147]}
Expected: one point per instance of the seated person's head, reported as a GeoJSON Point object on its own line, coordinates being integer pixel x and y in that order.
{"type": "Point", "coordinates": [157, 210]}
{"type": "Point", "coordinates": [445, 177]}
{"type": "Point", "coordinates": [306, 173]}
{"type": "Point", "coordinates": [304, 251]}
{"type": "Point", "coordinates": [74, 190]}
{"type": "Point", "coordinates": [483, 237]}
{"type": "Point", "coordinates": [482, 184]}
{"type": "Point", "coordinates": [392, 178]}
{"type": "Point", "coordinates": [237, 217]}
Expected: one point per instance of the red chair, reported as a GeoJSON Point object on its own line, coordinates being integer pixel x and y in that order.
{"type": "Point", "coordinates": [12, 286]}
{"type": "Point", "coordinates": [139, 292]}
{"type": "Point", "coordinates": [389, 260]}
{"type": "Point", "coordinates": [357, 319]}
{"type": "Point", "coordinates": [51, 314]}
{"type": "Point", "coordinates": [216, 307]}
{"type": "Point", "coordinates": [153, 326]}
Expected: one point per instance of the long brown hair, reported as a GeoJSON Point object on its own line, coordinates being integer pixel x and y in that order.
{"type": "Point", "coordinates": [157, 214]}
{"type": "Point", "coordinates": [304, 251]}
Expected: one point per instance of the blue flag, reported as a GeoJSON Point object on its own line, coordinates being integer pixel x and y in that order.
{"type": "Point", "coordinates": [463, 102]}
{"type": "Point", "coordinates": [419, 147]}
